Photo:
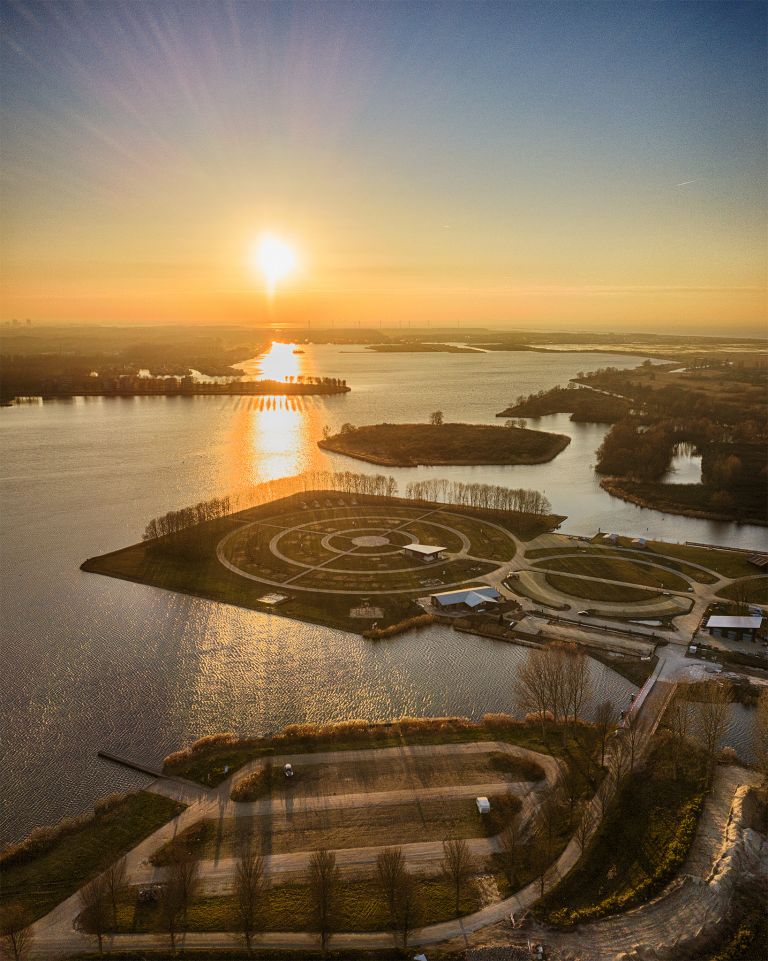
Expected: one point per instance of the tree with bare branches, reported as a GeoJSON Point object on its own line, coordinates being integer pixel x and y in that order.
{"type": "Point", "coordinates": [115, 877]}
{"type": "Point", "coordinates": [532, 687]}
{"type": "Point", "coordinates": [585, 825]}
{"type": "Point", "coordinates": [510, 842]}
{"type": "Point", "coordinates": [16, 934]}
{"type": "Point", "coordinates": [94, 901]}
{"type": "Point", "coordinates": [390, 870]}
{"type": "Point", "coordinates": [678, 721]}
{"type": "Point", "coordinates": [457, 866]}
{"type": "Point", "coordinates": [631, 733]}
{"type": "Point", "coordinates": [712, 720]}
{"type": "Point", "coordinates": [324, 879]}
{"type": "Point", "coordinates": [250, 888]}
{"type": "Point", "coordinates": [605, 723]}
{"type": "Point", "coordinates": [171, 906]}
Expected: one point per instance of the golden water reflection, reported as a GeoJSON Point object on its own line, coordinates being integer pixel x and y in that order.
{"type": "Point", "coordinates": [280, 362]}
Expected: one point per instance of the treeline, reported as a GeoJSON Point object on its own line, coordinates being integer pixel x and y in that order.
{"type": "Point", "coordinates": [322, 381]}
{"type": "Point", "coordinates": [486, 496]}
{"type": "Point", "coordinates": [176, 521]}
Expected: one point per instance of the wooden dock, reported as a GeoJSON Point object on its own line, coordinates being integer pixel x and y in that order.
{"type": "Point", "coordinates": [133, 765]}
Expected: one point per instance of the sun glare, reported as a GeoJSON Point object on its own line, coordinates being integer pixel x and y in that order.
{"type": "Point", "coordinates": [274, 259]}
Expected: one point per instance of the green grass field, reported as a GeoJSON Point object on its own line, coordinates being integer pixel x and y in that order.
{"type": "Point", "coordinates": [615, 569]}
{"type": "Point", "coordinates": [753, 591]}
{"type": "Point", "coordinates": [49, 877]}
{"type": "Point", "coordinates": [287, 907]}
{"type": "Point", "coordinates": [318, 531]}
{"type": "Point", "coordinates": [598, 590]}
{"type": "Point", "coordinates": [648, 554]}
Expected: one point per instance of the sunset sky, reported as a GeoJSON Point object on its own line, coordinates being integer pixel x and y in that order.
{"type": "Point", "coordinates": [566, 164]}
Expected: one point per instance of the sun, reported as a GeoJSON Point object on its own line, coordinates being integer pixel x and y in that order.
{"type": "Point", "coordinates": [275, 259]}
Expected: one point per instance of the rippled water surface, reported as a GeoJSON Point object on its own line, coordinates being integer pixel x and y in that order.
{"type": "Point", "coordinates": [90, 662]}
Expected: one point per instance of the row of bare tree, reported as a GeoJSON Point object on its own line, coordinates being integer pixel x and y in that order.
{"type": "Point", "coordinates": [486, 496]}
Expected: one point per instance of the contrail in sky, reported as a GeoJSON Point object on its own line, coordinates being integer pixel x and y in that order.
{"type": "Point", "coordinates": [685, 183]}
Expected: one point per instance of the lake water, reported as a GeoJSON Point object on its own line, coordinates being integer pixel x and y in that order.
{"type": "Point", "coordinates": [91, 663]}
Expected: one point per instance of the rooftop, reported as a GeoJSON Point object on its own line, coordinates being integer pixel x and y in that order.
{"type": "Point", "coordinates": [426, 549]}
{"type": "Point", "coordinates": [752, 622]}
{"type": "Point", "coordinates": [471, 596]}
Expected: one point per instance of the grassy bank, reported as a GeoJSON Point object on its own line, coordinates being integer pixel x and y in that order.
{"type": "Point", "coordinates": [409, 445]}
{"type": "Point", "coordinates": [640, 845]}
{"type": "Point", "coordinates": [206, 760]}
{"type": "Point", "coordinates": [53, 863]}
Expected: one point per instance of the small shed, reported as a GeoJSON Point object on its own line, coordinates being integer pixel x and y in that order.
{"type": "Point", "coordinates": [758, 560]}
{"type": "Point", "coordinates": [640, 542]}
{"type": "Point", "coordinates": [483, 805]}
{"type": "Point", "coordinates": [612, 538]}
{"type": "Point", "coordinates": [424, 552]}
{"type": "Point", "coordinates": [734, 628]}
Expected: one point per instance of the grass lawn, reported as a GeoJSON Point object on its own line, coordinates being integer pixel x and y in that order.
{"type": "Point", "coordinates": [598, 590]}
{"type": "Point", "coordinates": [431, 819]}
{"type": "Point", "coordinates": [351, 776]}
{"type": "Point", "coordinates": [408, 445]}
{"type": "Point", "coordinates": [640, 844]}
{"type": "Point", "coordinates": [207, 762]}
{"type": "Point", "coordinates": [615, 569]}
{"type": "Point", "coordinates": [753, 591]}
{"type": "Point", "coordinates": [727, 563]}
{"type": "Point", "coordinates": [287, 907]}
{"type": "Point", "coordinates": [49, 877]}
{"type": "Point", "coordinates": [649, 554]}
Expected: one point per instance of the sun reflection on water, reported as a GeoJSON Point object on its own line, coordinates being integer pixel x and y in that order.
{"type": "Point", "coordinates": [280, 362]}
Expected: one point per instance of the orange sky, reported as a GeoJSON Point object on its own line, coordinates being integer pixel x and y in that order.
{"type": "Point", "coordinates": [586, 171]}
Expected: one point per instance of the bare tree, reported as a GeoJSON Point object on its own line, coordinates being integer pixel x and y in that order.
{"type": "Point", "coordinates": [172, 907]}
{"type": "Point", "coordinates": [184, 874]}
{"type": "Point", "coordinates": [436, 418]}
{"type": "Point", "coordinates": [407, 907]}
{"type": "Point", "coordinates": [390, 869]}
{"type": "Point", "coordinates": [577, 685]}
{"type": "Point", "coordinates": [678, 719]}
{"type": "Point", "coordinates": [458, 866]}
{"type": "Point", "coordinates": [585, 825]}
{"type": "Point", "coordinates": [605, 723]}
{"type": "Point", "coordinates": [531, 687]}
{"type": "Point", "coordinates": [570, 782]}
{"type": "Point", "coordinates": [618, 758]}
{"type": "Point", "coordinates": [632, 736]}
{"type": "Point", "coordinates": [547, 828]}
{"type": "Point", "coordinates": [94, 901]}
{"type": "Point", "coordinates": [16, 935]}
{"type": "Point", "coordinates": [510, 841]}
{"type": "Point", "coordinates": [761, 733]}
{"type": "Point", "coordinates": [115, 877]}
{"type": "Point", "coordinates": [712, 720]}
{"type": "Point", "coordinates": [250, 888]}
{"type": "Point", "coordinates": [324, 878]}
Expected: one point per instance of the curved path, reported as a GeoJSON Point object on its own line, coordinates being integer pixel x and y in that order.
{"type": "Point", "coordinates": [384, 529]}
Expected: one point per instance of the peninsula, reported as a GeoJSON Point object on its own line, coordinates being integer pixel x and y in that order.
{"type": "Point", "coordinates": [410, 445]}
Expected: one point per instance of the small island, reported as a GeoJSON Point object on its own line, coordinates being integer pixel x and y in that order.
{"type": "Point", "coordinates": [411, 445]}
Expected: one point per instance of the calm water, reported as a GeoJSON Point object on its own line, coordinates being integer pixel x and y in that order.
{"type": "Point", "coordinates": [92, 663]}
